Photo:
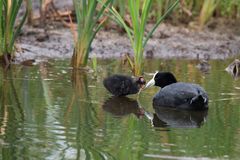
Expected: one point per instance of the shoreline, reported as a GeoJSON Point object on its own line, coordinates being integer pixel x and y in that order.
{"type": "Point", "coordinates": [167, 42]}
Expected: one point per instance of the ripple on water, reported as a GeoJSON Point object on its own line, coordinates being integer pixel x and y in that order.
{"type": "Point", "coordinates": [175, 157]}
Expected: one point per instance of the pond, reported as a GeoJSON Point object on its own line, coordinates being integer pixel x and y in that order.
{"type": "Point", "coordinates": [49, 113]}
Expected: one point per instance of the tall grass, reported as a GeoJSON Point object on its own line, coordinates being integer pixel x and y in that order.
{"type": "Point", "coordinates": [207, 11]}
{"type": "Point", "coordinates": [120, 5]}
{"type": "Point", "coordinates": [200, 10]}
{"type": "Point", "coordinates": [230, 8]}
{"type": "Point", "coordinates": [139, 11]}
{"type": "Point", "coordinates": [88, 16]}
{"type": "Point", "coordinates": [30, 11]}
{"type": "Point", "coordinates": [8, 29]}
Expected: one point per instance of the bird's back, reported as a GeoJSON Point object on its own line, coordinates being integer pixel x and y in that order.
{"type": "Point", "coordinates": [120, 85]}
{"type": "Point", "coordinates": [181, 95]}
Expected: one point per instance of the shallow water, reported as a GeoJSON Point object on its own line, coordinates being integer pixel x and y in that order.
{"type": "Point", "coordinates": [49, 113]}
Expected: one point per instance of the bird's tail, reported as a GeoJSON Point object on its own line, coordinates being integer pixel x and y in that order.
{"type": "Point", "coordinates": [199, 102]}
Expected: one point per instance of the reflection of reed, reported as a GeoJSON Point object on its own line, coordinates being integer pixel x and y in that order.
{"type": "Point", "coordinates": [9, 97]}
{"type": "Point", "coordinates": [79, 81]}
{"type": "Point", "coordinates": [80, 89]}
{"type": "Point", "coordinates": [4, 111]}
{"type": "Point", "coordinates": [46, 91]}
{"type": "Point", "coordinates": [85, 115]}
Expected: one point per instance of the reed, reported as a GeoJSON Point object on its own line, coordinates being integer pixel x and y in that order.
{"type": "Point", "coordinates": [94, 65]}
{"type": "Point", "coordinates": [30, 11]}
{"type": "Point", "coordinates": [8, 28]}
{"type": "Point", "coordinates": [207, 10]}
{"type": "Point", "coordinates": [120, 6]}
{"type": "Point", "coordinates": [88, 16]}
{"type": "Point", "coordinates": [230, 8]}
{"type": "Point", "coordinates": [138, 11]}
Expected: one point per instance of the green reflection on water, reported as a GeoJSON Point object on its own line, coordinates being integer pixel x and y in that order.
{"type": "Point", "coordinates": [53, 112]}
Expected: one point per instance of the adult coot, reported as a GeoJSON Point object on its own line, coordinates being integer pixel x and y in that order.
{"type": "Point", "coordinates": [177, 94]}
{"type": "Point", "coordinates": [121, 85]}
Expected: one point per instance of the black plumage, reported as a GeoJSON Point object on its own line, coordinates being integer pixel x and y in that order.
{"type": "Point", "coordinates": [121, 85]}
{"type": "Point", "coordinates": [178, 94]}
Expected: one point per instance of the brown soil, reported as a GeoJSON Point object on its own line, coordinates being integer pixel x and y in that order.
{"type": "Point", "coordinates": [218, 41]}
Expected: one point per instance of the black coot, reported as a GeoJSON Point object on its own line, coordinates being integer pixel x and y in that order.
{"type": "Point", "coordinates": [177, 94]}
{"type": "Point", "coordinates": [121, 85]}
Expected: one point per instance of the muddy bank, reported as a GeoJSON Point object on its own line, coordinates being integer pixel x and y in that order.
{"type": "Point", "coordinates": [168, 42]}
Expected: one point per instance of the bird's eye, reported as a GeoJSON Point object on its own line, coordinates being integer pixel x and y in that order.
{"type": "Point", "coordinates": [142, 80]}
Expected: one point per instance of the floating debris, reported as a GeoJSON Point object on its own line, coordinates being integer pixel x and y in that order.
{"type": "Point", "coordinates": [30, 62]}
{"type": "Point", "coordinates": [234, 68]}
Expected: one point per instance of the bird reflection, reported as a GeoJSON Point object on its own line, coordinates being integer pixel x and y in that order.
{"type": "Point", "coordinates": [163, 117]}
{"type": "Point", "coordinates": [170, 117]}
{"type": "Point", "coordinates": [121, 106]}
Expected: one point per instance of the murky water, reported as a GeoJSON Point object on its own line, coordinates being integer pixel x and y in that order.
{"type": "Point", "coordinates": [47, 112]}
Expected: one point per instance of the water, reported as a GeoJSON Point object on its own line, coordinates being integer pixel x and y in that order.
{"type": "Point", "coordinates": [47, 113]}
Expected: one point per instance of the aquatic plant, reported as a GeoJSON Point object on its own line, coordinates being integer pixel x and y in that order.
{"type": "Point", "coordinates": [138, 14]}
{"type": "Point", "coordinates": [94, 64]}
{"type": "Point", "coordinates": [8, 28]}
{"type": "Point", "coordinates": [30, 11]}
{"type": "Point", "coordinates": [207, 11]}
{"type": "Point", "coordinates": [159, 8]}
{"type": "Point", "coordinates": [120, 6]}
{"type": "Point", "coordinates": [87, 26]}
{"type": "Point", "coordinates": [230, 8]}
{"type": "Point", "coordinates": [203, 10]}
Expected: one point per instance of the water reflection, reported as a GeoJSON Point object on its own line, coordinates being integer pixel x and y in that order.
{"type": "Point", "coordinates": [204, 66]}
{"type": "Point", "coordinates": [120, 106]}
{"type": "Point", "coordinates": [11, 117]}
{"type": "Point", "coordinates": [44, 114]}
{"type": "Point", "coordinates": [169, 117]}
{"type": "Point", "coordinates": [163, 116]}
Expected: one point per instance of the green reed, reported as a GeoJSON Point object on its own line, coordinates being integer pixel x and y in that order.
{"type": "Point", "coordinates": [230, 8]}
{"type": "Point", "coordinates": [88, 16]}
{"type": "Point", "coordinates": [201, 10]}
{"type": "Point", "coordinates": [207, 11]}
{"type": "Point", "coordinates": [139, 11]}
{"type": "Point", "coordinates": [120, 5]}
{"type": "Point", "coordinates": [30, 11]}
{"type": "Point", "coordinates": [9, 29]}
{"type": "Point", "coordinates": [94, 64]}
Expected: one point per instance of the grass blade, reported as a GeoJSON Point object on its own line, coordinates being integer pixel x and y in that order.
{"type": "Point", "coordinates": [170, 9]}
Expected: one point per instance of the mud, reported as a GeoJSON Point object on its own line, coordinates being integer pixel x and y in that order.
{"type": "Point", "coordinates": [217, 41]}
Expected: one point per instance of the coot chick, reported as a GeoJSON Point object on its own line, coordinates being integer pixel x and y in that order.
{"type": "Point", "coordinates": [121, 85]}
{"type": "Point", "coordinates": [177, 94]}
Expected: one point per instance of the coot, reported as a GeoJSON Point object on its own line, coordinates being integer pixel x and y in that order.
{"type": "Point", "coordinates": [177, 94]}
{"type": "Point", "coordinates": [121, 85]}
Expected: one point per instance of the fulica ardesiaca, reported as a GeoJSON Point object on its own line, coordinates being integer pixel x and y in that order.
{"type": "Point", "coordinates": [177, 94]}
{"type": "Point", "coordinates": [121, 85]}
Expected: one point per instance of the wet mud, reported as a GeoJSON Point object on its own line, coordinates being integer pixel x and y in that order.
{"type": "Point", "coordinates": [217, 41]}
